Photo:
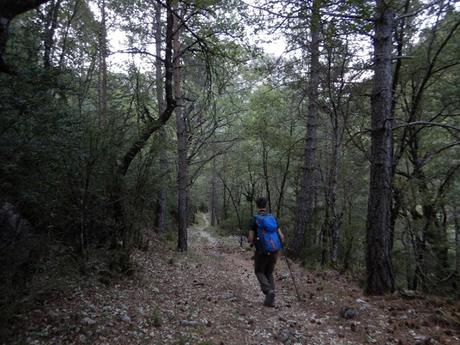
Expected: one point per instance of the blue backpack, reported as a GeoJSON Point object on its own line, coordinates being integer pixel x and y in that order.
{"type": "Point", "coordinates": [267, 233]}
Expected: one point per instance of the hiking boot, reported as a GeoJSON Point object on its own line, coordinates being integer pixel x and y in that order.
{"type": "Point", "coordinates": [270, 299]}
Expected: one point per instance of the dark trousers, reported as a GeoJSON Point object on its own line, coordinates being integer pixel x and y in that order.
{"type": "Point", "coordinates": [263, 267]}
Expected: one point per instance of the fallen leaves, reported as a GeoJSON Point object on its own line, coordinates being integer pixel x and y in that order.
{"type": "Point", "coordinates": [211, 296]}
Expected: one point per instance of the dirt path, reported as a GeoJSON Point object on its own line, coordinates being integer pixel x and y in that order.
{"type": "Point", "coordinates": [225, 300]}
{"type": "Point", "coordinates": [210, 296]}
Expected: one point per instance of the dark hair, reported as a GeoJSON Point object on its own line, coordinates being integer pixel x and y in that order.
{"type": "Point", "coordinates": [261, 202]}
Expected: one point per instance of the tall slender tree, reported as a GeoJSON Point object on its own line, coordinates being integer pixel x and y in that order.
{"type": "Point", "coordinates": [182, 142]}
{"type": "Point", "coordinates": [214, 200]}
{"type": "Point", "coordinates": [103, 53]}
{"type": "Point", "coordinates": [151, 127]}
{"type": "Point", "coordinates": [305, 197]}
{"type": "Point", "coordinates": [457, 243]}
{"type": "Point", "coordinates": [51, 24]}
{"type": "Point", "coordinates": [379, 266]}
{"type": "Point", "coordinates": [160, 217]}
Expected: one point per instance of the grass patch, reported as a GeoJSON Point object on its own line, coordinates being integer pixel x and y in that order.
{"type": "Point", "coordinates": [183, 340]}
{"type": "Point", "coordinates": [170, 239]}
{"type": "Point", "coordinates": [157, 320]}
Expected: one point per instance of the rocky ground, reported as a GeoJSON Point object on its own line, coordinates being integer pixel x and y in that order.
{"type": "Point", "coordinates": [210, 296]}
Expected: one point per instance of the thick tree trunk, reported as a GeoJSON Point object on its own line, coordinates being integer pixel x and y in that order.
{"type": "Point", "coordinates": [182, 147]}
{"type": "Point", "coordinates": [160, 217]}
{"type": "Point", "coordinates": [379, 268]}
{"type": "Point", "coordinates": [304, 214]}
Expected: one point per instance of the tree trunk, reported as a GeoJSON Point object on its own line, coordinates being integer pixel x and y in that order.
{"type": "Point", "coordinates": [348, 235]}
{"type": "Point", "coordinates": [214, 198]}
{"type": "Point", "coordinates": [283, 185]}
{"type": "Point", "coordinates": [160, 218]}
{"type": "Point", "coordinates": [224, 204]}
{"type": "Point", "coordinates": [160, 215]}
{"type": "Point", "coordinates": [65, 34]}
{"type": "Point", "coordinates": [234, 202]}
{"type": "Point", "coordinates": [457, 245]}
{"type": "Point", "coordinates": [250, 190]}
{"type": "Point", "coordinates": [335, 218]}
{"type": "Point", "coordinates": [379, 268]}
{"type": "Point", "coordinates": [325, 236]}
{"type": "Point", "coordinates": [153, 126]}
{"type": "Point", "coordinates": [103, 67]}
{"type": "Point", "coordinates": [182, 146]}
{"type": "Point", "coordinates": [51, 25]}
{"type": "Point", "coordinates": [266, 177]}
{"type": "Point", "coordinates": [304, 214]}
{"type": "Point", "coordinates": [399, 38]}
{"type": "Point", "coordinates": [285, 176]}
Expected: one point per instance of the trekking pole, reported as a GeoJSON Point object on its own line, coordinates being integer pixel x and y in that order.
{"type": "Point", "coordinates": [292, 276]}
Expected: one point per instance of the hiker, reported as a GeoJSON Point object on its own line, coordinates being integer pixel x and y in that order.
{"type": "Point", "coordinates": [267, 238]}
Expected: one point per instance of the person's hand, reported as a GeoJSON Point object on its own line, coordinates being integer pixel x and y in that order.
{"type": "Point", "coordinates": [281, 235]}
{"type": "Point", "coordinates": [251, 237]}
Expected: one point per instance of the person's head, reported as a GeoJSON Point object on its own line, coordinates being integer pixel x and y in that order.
{"type": "Point", "coordinates": [261, 203]}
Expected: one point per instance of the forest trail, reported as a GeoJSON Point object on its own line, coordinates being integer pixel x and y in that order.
{"type": "Point", "coordinates": [210, 296]}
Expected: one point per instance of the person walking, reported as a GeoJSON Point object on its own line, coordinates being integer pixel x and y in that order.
{"type": "Point", "coordinates": [267, 238]}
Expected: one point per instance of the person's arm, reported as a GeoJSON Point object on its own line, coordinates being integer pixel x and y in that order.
{"type": "Point", "coordinates": [281, 235]}
{"type": "Point", "coordinates": [251, 237]}
{"type": "Point", "coordinates": [252, 231]}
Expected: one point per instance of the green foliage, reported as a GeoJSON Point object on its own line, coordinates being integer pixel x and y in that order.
{"type": "Point", "coordinates": [157, 320]}
{"type": "Point", "coordinates": [170, 239]}
{"type": "Point", "coordinates": [429, 167]}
